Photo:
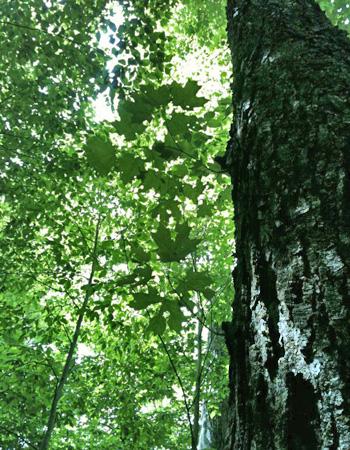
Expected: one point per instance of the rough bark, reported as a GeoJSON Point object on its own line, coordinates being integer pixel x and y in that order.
{"type": "Point", "coordinates": [289, 341]}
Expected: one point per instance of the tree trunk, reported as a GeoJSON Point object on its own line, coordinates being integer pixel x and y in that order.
{"type": "Point", "coordinates": [289, 341]}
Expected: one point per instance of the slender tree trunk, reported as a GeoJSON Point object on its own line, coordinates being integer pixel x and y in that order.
{"type": "Point", "coordinates": [45, 442]}
{"type": "Point", "coordinates": [290, 158]}
{"type": "Point", "coordinates": [199, 369]}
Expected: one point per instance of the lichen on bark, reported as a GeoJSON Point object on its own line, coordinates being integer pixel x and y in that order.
{"type": "Point", "coordinates": [290, 349]}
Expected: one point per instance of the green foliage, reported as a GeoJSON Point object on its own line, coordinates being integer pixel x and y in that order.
{"type": "Point", "coordinates": [338, 12]}
{"type": "Point", "coordinates": [203, 21]}
{"type": "Point", "coordinates": [161, 270]}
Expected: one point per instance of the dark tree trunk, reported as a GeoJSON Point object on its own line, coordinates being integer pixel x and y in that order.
{"type": "Point", "coordinates": [289, 343]}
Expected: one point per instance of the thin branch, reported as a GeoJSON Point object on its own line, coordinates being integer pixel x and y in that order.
{"type": "Point", "coordinates": [217, 292]}
{"type": "Point", "coordinates": [28, 364]}
{"type": "Point", "coordinates": [188, 412]}
{"type": "Point", "coordinates": [48, 364]}
{"type": "Point", "coordinates": [12, 154]}
{"type": "Point", "coordinates": [61, 291]}
{"type": "Point", "coordinates": [53, 36]}
{"type": "Point", "coordinates": [49, 286]}
{"type": "Point", "coordinates": [198, 384]}
{"type": "Point", "coordinates": [202, 374]}
{"type": "Point", "coordinates": [6, 133]}
{"type": "Point", "coordinates": [83, 235]}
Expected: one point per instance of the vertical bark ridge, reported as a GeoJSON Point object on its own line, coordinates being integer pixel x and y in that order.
{"type": "Point", "coordinates": [290, 339]}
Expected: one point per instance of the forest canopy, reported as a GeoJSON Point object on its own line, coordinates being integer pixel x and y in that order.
{"type": "Point", "coordinates": [116, 234]}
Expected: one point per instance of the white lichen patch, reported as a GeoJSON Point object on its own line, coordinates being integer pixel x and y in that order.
{"type": "Point", "coordinates": [246, 105]}
{"type": "Point", "coordinates": [258, 352]}
{"type": "Point", "coordinates": [336, 310]}
{"type": "Point", "coordinates": [239, 128]}
{"type": "Point", "coordinates": [301, 315]}
{"type": "Point", "coordinates": [261, 332]}
{"type": "Point", "coordinates": [265, 58]}
{"type": "Point", "coordinates": [332, 260]}
{"type": "Point", "coordinates": [300, 299]}
{"type": "Point", "coordinates": [254, 285]}
{"type": "Point", "coordinates": [302, 208]}
{"type": "Point", "coordinates": [292, 340]}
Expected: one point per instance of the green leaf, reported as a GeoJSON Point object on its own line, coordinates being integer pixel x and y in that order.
{"type": "Point", "coordinates": [162, 237]}
{"type": "Point", "coordinates": [100, 155]}
{"type": "Point", "coordinates": [157, 324]}
{"type": "Point", "coordinates": [137, 107]}
{"type": "Point", "coordinates": [179, 124]}
{"type": "Point", "coordinates": [196, 281]}
{"type": "Point", "coordinates": [127, 280]}
{"type": "Point", "coordinates": [183, 230]}
{"type": "Point", "coordinates": [157, 97]}
{"type": "Point", "coordinates": [204, 210]}
{"type": "Point", "coordinates": [185, 96]}
{"type": "Point", "coordinates": [152, 180]}
{"type": "Point", "coordinates": [127, 127]}
{"type": "Point", "coordinates": [166, 152]}
{"type": "Point", "coordinates": [141, 255]}
{"type": "Point", "coordinates": [174, 250]}
{"type": "Point", "coordinates": [128, 167]}
{"type": "Point", "coordinates": [184, 248]}
{"type": "Point", "coordinates": [208, 293]}
{"type": "Point", "coordinates": [91, 288]}
{"type": "Point", "coordinates": [175, 323]}
{"type": "Point", "coordinates": [176, 316]}
{"type": "Point", "coordinates": [138, 277]}
{"type": "Point", "coordinates": [143, 300]}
